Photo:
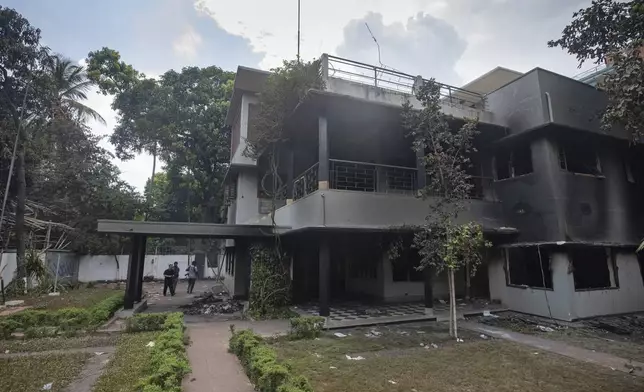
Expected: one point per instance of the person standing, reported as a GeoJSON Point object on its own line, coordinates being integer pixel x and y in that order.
{"type": "Point", "coordinates": [168, 280]}
{"type": "Point", "coordinates": [193, 272]}
{"type": "Point", "coordinates": [176, 271]}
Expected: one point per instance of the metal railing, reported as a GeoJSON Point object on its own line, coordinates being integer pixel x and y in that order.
{"type": "Point", "coordinates": [592, 72]}
{"type": "Point", "coordinates": [370, 177]}
{"type": "Point", "coordinates": [389, 79]}
{"type": "Point", "coordinates": [306, 183]}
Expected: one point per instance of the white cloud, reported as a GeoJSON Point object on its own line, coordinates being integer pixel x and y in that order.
{"type": "Point", "coordinates": [187, 44]}
{"type": "Point", "coordinates": [496, 32]}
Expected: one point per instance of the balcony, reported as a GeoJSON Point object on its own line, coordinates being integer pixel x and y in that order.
{"type": "Point", "coordinates": [376, 178]}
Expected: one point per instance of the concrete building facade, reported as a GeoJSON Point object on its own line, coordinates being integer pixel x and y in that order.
{"type": "Point", "coordinates": [559, 197]}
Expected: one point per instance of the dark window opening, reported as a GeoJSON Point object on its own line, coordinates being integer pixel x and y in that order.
{"type": "Point", "coordinates": [640, 260]}
{"type": "Point", "coordinates": [591, 268]}
{"type": "Point", "coordinates": [404, 268]}
{"type": "Point", "coordinates": [576, 159]}
{"type": "Point", "coordinates": [517, 162]}
{"type": "Point", "coordinates": [529, 267]}
{"type": "Point", "coordinates": [364, 270]}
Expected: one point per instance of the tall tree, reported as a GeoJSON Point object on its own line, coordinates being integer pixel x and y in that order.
{"type": "Point", "coordinates": [613, 31]}
{"type": "Point", "coordinates": [445, 151]}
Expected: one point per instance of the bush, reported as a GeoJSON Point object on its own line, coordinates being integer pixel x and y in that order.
{"type": "Point", "coordinates": [67, 319]}
{"type": "Point", "coordinates": [168, 362]}
{"type": "Point", "coordinates": [261, 365]}
{"type": "Point", "coordinates": [308, 327]}
{"type": "Point", "coordinates": [146, 322]}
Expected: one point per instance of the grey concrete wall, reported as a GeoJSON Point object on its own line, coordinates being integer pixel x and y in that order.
{"type": "Point", "coordinates": [239, 157]}
{"type": "Point", "coordinates": [519, 105]}
{"type": "Point", "coordinates": [349, 209]}
{"type": "Point", "coordinates": [533, 301]}
{"type": "Point", "coordinates": [628, 298]}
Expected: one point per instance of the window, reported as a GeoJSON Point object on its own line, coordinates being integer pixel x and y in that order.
{"type": "Point", "coordinates": [593, 268]}
{"type": "Point", "coordinates": [514, 163]}
{"type": "Point", "coordinates": [229, 261]}
{"type": "Point", "coordinates": [577, 159]}
{"type": "Point", "coordinates": [404, 268]}
{"type": "Point", "coordinates": [529, 267]}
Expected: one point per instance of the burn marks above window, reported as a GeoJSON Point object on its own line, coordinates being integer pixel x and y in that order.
{"type": "Point", "coordinates": [509, 163]}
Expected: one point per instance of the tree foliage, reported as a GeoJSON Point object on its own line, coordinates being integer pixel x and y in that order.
{"type": "Point", "coordinates": [613, 31]}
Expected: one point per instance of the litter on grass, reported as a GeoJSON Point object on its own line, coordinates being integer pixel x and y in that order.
{"type": "Point", "coordinates": [358, 358]}
{"type": "Point", "coordinates": [483, 336]}
{"type": "Point", "coordinates": [317, 355]}
{"type": "Point", "coordinates": [459, 340]}
{"type": "Point", "coordinates": [392, 382]}
{"type": "Point", "coordinates": [486, 313]}
{"type": "Point", "coordinates": [434, 345]}
{"type": "Point", "coordinates": [339, 335]}
{"type": "Point", "coordinates": [99, 352]}
{"type": "Point", "coordinates": [544, 329]}
{"type": "Point", "coordinates": [47, 387]}
{"type": "Point", "coordinates": [151, 344]}
{"type": "Point", "coordinates": [332, 367]}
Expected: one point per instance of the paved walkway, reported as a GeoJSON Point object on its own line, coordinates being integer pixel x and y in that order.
{"type": "Point", "coordinates": [582, 354]}
{"type": "Point", "coordinates": [213, 368]}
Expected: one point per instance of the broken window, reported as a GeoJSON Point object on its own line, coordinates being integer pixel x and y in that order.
{"type": "Point", "coordinates": [593, 268]}
{"type": "Point", "coordinates": [529, 267]}
{"type": "Point", "coordinates": [513, 163]}
{"type": "Point", "coordinates": [577, 159]}
{"type": "Point", "coordinates": [229, 261]}
{"type": "Point", "coordinates": [404, 268]}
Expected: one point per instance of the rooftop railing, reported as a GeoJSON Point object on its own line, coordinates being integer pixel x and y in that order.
{"type": "Point", "coordinates": [397, 81]}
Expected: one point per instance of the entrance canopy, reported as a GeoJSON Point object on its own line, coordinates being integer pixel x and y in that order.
{"type": "Point", "coordinates": [185, 229]}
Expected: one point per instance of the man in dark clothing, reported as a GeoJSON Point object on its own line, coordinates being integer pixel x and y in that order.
{"type": "Point", "coordinates": [168, 280]}
{"type": "Point", "coordinates": [192, 273]}
{"type": "Point", "coordinates": [176, 275]}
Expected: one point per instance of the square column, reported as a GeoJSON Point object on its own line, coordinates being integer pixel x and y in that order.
{"type": "Point", "coordinates": [132, 273]}
{"type": "Point", "coordinates": [323, 154]}
{"type": "Point", "coordinates": [139, 279]}
{"type": "Point", "coordinates": [429, 292]}
{"type": "Point", "coordinates": [324, 271]}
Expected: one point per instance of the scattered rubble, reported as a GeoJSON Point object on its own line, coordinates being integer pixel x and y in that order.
{"type": "Point", "coordinates": [545, 329]}
{"type": "Point", "coordinates": [373, 334]}
{"type": "Point", "coordinates": [392, 382]}
{"type": "Point", "coordinates": [339, 335]}
{"type": "Point", "coordinates": [213, 303]}
{"type": "Point", "coordinates": [151, 344]}
{"type": "Point", "coordinates": [358, 358]}
{"type": "Point", "coordinates": [484, 337]}
{"type": "Point", "coordinates": [47, 387]}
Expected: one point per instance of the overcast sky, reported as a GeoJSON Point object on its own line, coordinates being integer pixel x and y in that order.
{"type": "Point", "coordinates": [453, 41]}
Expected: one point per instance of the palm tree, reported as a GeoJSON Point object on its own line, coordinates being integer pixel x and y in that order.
{"type": "Point", "coordinates": [70, 85]}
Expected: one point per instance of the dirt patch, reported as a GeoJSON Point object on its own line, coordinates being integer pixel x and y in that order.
{"type": "Point", "coordinates": [213, 303]}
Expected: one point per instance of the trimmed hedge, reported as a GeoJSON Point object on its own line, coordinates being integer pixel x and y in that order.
{"type": "Point", "coordinates": [307, 327]}
{"type": "Point", "coordinates": [260, 363]}
{"type": "Point", "coordinates": [169, 362]}
{"type": "Point", "coordinates": [42, 322]}
{"type": "Point", "coordinates": [146, 322]}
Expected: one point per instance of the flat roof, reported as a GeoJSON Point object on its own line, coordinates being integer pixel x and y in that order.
{"type": "Point", "coordinates": [187, 229]}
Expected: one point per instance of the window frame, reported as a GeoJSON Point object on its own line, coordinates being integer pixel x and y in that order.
{"type": "Point", "coordinates": [611, 266]}
{"type": "Point", "coordinates": [508, 275]}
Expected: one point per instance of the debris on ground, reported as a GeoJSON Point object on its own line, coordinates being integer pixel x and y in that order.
{"type": "Point", "coordinates": [213, 303]}
{"type": "Point", "coordinates": [317, 355]}
{"type": "Point", "coordinates": [339, 335]}
{"type": "Point", "coordinates": [151, 344]}
{"type": "Point", "coordinates": [486, 313]}
{"type": "Point", "coordinates": [459, 340]}
{"type": "Point", "coordinates": [434, 345]}
{"type": "Point", "coordinates": [47, 387]}
{"type": "Point", "coordinates": [392, 382]}
{"type": "Point", "coordinates": [358, 358]}
{"type": "Point", "coordinates": [483, 336]}
{"type": "Point", "coordinates": [98, 353]}
{"type": "Point", "coordinates": [373, 334]}
{"type": "Point", "coordinates": [332, 367]}
{"type": "Point", "coordinates": [6, 351]}
{"type": "Point", "coordinates": [442, 301]}
{"type": "Point", "coordinates": [544, 329]}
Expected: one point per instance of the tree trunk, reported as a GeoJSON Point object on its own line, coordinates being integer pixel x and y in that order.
{"type": "Point", "coordinates": [21, 196]}
{"type": "Point", "coordinates": [453, 296]}
{"type": "Point", "coordinates": [468, 282]}
{"type": "Point", "coordinates": [449, 285]}
{"type": "Point", "coordinates": [147, 197]}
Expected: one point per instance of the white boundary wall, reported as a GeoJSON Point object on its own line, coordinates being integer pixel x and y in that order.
{"type": "Point", "coordinates": [103, 267]}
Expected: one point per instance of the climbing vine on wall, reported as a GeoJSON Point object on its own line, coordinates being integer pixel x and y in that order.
{"type": "Point", "coordinates": [270, 283]}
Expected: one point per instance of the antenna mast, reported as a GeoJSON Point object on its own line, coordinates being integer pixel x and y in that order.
{"type": "Point", "coordinates": [298, 29]}
{"type": "Point", "coordinates": [377, 44]}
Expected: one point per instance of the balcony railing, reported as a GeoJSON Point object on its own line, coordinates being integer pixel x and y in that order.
{"type": "Point", "coordinates": [306, 183]}
{"type": "Point", "coordinates": [369, 177]}
{"type": "Point", "coordinates": [376, 178]}
{"type": "Point", "coordinates": [393, 80]}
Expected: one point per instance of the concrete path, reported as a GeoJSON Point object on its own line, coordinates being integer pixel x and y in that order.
{"type": "Point", "coordinates": [582, 354]}
{"type": "Point", "coordinates": [213, 368]}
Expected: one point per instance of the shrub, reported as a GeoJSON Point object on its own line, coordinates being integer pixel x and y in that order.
{"type": "Point", "coordinates": [146, 322]}
{"type": "Point", "coordinates": [261, 365]}
{"type": "Point", "coordinates": [168, 362]}
{"type": "Point", "coordinates": [308, 327]}
{"type": "Point", "coordinates": [67, 319]}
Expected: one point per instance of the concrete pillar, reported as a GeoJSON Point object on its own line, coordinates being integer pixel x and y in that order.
{"type": "Point", "coordinates": [132, 273]}
{"type": "Point", "coordinates": [323, 154]}
{"type": "Point", "coordinates": [325, 269]}
{"type": "Point", "coordinates": [139, 278]}
{"type": "Point", "coordinates": [290, 161]}
{"type": "Point", "coordinates": [429, 291]}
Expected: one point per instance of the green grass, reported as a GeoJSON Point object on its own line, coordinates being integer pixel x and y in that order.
{"type": "Point", "coordinates": [60, 343]}
{"type": "Point", "coordinates": [81, 298]}
{"type": "Point", "coordinates": [129, 364]}
{"type": "Point", "coordinates": [475, 365]}
{"type": "Point", "coordinates": [26, 374]}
